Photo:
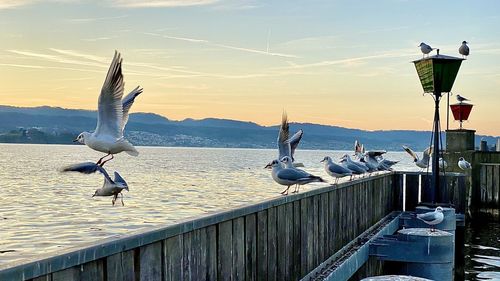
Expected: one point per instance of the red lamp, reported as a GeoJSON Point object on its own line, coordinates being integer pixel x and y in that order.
{"type": "Point", "coordinates": [461, 111]}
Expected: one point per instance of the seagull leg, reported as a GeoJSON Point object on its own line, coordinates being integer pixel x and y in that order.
{"type": "Point", "coordinates": [100, 160]}
{"type": "Point", "coordinates": [104, 162]}
{"type": "Point", "coordinates": [114, 199]}
{"type": "Point", "coordinates": [123, 204]}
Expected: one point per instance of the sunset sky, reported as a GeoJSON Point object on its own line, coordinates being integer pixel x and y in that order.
{"type": "Point", "coordinates": [344, 63]}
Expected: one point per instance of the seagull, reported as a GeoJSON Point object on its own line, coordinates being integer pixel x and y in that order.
{"type": "Point", "coordinates": [421, 163]}
{"type": "Point", "coordinates": [287, 162]}
{"type": "Point", "coordinates": [109, 188]}
{"type": "Point", "coordinates": [355, 167]}
{"type": "Point", "coordinates": [462, 99]}
{"type": "Point", "coordinates": [442, 164]}
{"type": "Point", "coordinates": [463, 164]}
{"type": "Point", "coordinates": [426, 49]}
{"type": "Point", "coordinates": [112, 115]}
{"type": "Point", "coordinates": [287, 145]}
{"type": "Point", "coordinates": [432, 218]}
{"type": "Point", "coordinates": [289, 177]}
{"type": "Point", "coordinates": [464, 49]}
{"type": "Point", "coordinates": [335, 170]}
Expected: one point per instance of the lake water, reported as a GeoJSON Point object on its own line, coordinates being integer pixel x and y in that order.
{"type": "Point", "coordinates": [43, 210]}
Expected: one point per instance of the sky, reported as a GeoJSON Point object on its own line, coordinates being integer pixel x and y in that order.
{"type": "Point", "coordinates": [343, 63]}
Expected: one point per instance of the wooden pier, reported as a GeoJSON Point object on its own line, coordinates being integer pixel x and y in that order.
{"type": "Point", "coordinates": [283, 238]}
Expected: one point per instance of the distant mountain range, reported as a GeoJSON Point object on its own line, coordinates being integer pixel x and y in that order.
{"type": "Point", "coordinates": [58, 125]}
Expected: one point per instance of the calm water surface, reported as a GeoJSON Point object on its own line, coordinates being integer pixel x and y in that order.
{"type": "Point", "coordinates": [43, 210]}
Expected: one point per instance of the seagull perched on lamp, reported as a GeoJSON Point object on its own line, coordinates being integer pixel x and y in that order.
{"type": "Point", "coordinates": [462, 99]}
{"type": "Point", "coordinates": [464, 49]}
{"type": "Point", "coordinates": [426, 49]}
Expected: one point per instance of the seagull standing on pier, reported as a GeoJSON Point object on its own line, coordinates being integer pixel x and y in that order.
{"type": "Point", "coordinates": [464, 49]}
{"type": "Point", "coordinates": [112, 116]}
{"type": "Point", "coordinates": [109, 188]}
{"type": "Point", "coordinates": [289, 177]}
{"type": "Point", "coordinates": [287, 162]}
{"type": "Point", "coordinates": [355, 167]}
{"type": "Point", "coordinates": [462, 99]}
{"type": "Point", "coordinates": [335, 170]}
{"type": "Point", "coordinates": [421, 163]}
{"type": "Point", "coordinates": [463, 164]}
{"type": "Point", "coordinates": [442, 164]}
{"type": "Point", "coordinates": [426, 49]}
{"type": "Point", "coordinates": [432, 218]}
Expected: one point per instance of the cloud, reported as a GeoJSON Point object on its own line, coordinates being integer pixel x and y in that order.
{"type": "Point", "coordinates": [97, 39]}
{"type": "Point", "coordinates": [11, 4]}
{"type": "Point", "coordinates": [86, 20]}
{"type": "Point", "coordinates": [160, 3]}
{"type": "Point", "coordinates": [57, 59]}
{"type": "Point", "coordinates": [224, 46]}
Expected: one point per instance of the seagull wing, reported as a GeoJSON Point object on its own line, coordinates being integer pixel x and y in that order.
{"type": "Point", "coordinates": [110, 110]}
{"type": "Point", "coordinates": [376, 153]}
{"type": "Point", "coordinates": [412, 154]}
{"type": "Point", "coordinates": [294, 141]}
{"type": "Point", "coordinates": [428, 152]}
{"type": "Point", "coordinates": [127, 103]}
{"type": "Point", "coordinates": [120, 180]}
{"type": "Point", "coordinates": [86, 168]}
{"type": "Point", "coordinates": [283, 136]}
{"type": "Point", "coordinates": [430, 216]}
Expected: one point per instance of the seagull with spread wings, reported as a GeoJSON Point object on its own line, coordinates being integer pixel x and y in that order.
{"type": "Point", "coordinates": [112, 116]}
{"type": "Point", "coordinates": [426, 156]}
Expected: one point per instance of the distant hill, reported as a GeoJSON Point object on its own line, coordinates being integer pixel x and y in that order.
{"type": "Point", "coordinates": [58, 125]}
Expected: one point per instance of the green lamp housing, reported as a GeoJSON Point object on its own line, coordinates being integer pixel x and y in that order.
{"type": "Point", "coordinates": [437, 73]}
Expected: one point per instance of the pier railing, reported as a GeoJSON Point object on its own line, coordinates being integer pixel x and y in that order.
{"type": "Point", "coordinates": [282, 238]}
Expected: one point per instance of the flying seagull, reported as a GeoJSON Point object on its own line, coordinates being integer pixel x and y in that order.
{"type": "Point", "coordinates": [432, 218]}
{"type": "Point", "coordinates": [286, 144]}
{"type": "Point", "coordinates": [421, 163]}
{"type": "Point", "coordinates": [426, 49]}
{"type": "Point", "coordinates": [462, 99]}
{"type": "Point", "coordinates": [464, 49]}
{"type": "Point", "coordinates": [109, 188]}
{"type": "Point", "coordinates": [463, 164]}
{"type": "Point", "coordinates": [112, 115]}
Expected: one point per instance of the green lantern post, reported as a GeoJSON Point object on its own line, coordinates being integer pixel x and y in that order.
{"type": "Point", "coordinates": [437, 75]}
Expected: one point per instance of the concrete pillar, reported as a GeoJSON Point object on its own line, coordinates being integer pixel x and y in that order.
{"type": "Point", "coordinates": [460, 140]}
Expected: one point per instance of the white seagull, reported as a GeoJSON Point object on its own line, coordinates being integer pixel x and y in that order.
{"type": "Point", "coordinates": [426, 49]}
{"type": "Point", "coordinates": [462, 99]}
{"type": "Point", "coordinates": [421, 163]}
{"type": "Point", "coordinates": [464, 49]}
{"type": "Point", "coordinates": [432, 218]}
{"type": "Point", "coordinates": [112, 115]}
{"type": "Point", "coordinates": [286, 144]}
{"type": "Point", "coordinates": [109, 188]}
{"type": "Point", "coordinates": [288, 163]}
{"type": "Point", "coordinates": [463, 164]}
{"type": "Point", "coordinates": [335, 170]}
{"type": "Point", "coordinates": [289, 177]}
{"type": "Point", "coordinates": [442, 164]}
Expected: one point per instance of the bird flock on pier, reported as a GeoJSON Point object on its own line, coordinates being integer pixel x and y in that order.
{"type": "Point", "coordinates": [112, 116]}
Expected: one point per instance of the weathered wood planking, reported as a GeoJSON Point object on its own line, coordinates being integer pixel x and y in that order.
{"type": "Point", "coordinates": [280, 239]}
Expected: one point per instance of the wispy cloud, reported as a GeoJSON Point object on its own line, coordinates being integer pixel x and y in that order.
{"type": "Point", "coordinates": [57, 59]}
{"type": "Point", "coordinates": [11, 4]}
{"type": "Point", "coordinates": [160, 3]}
{"type": "Point", "coordinates": [212, 44]}
{"type": "Point", "coordinates": [97, 39]}
{"type": "Point", "coordinates": [86, 20]}
{"type": "Point", "coordinates": [348, 61]}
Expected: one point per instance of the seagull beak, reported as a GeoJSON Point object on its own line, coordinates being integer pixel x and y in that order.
{"type": "Point", "coordinates": [93, 195]}
{"type": "Point", "coordinates": [267, 166]}
{"type": "Point", "coordinates": [75, 140]}
{"type": "Point", "coordinates": [322, 161]}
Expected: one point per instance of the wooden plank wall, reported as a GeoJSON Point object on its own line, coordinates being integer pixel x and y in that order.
{"type": "Point", "coordinates": [489, 186]}
{"type": "Point", "coordinates": [283, 242]}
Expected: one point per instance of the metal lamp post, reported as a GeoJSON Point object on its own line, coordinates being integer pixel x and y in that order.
{"type": "Point", "coordinates": [437, 75]}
